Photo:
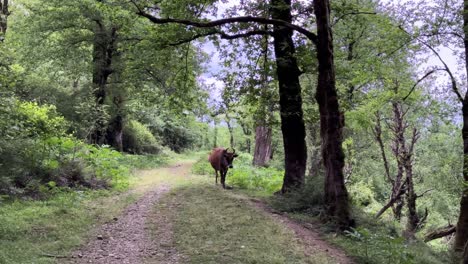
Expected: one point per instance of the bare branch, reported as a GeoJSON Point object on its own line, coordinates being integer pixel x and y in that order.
{"type": "Point", "coordinates": [401, 191]}
{"type": "Point", "coordinates": [420, 80]}
{"type": "Point", "coordinates": [378, 136]}
{"type": "Point", "coordinates": [446, 68]}
{"type": "Point", "coordinates": [423, 193]}
{"type": "Point", "coordinates": [221, 22]}
{"type": "Point", "coordinates": [352, 13]}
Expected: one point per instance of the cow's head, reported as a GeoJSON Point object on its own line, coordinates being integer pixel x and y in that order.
{"type": "Point", "coordinates": [229, 156]}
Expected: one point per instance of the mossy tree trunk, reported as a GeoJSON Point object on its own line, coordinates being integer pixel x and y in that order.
{"type": "Point", "coordinates": [331, 120]}
{"type": "Point", "coordinates": [461, 236]}
{"type": "Point", "coordinates": [292, 123]}
{"type": "Point", "coordinates": [4, 13]}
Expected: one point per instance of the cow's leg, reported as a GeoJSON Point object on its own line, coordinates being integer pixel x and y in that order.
{"type": "Point", "coordinates": [216, 181]}
{"type": "Point", "coordinates": [223, 178]}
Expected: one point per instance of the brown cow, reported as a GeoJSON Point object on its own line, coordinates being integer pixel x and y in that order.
{"type": "Point", "coordinates": [221, 160]}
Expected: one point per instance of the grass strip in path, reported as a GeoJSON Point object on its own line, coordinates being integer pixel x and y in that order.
{"type": "Point", "coordinates": [212, 226]}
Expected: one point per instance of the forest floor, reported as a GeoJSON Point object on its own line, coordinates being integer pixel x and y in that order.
{"type": "Point", "coordinates": [182, 218]}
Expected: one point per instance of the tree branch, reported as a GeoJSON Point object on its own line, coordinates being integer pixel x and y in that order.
{"type": "Point", "coordinates": [420, 80]}
{"type": "Point", "coordinates": [352, 13]}
{"type": "Point", "coordinates": [401, 191]}
{"type": "Point", "coordinates": [440, 232]}
{"type": "Point", "coordinates": [225, 21]}
{"type": "Point", "coordinates": [446, 68]}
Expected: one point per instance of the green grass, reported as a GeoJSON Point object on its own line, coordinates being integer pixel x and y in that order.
{"type": "Point", "coordinates": [244, 175]}
{"type": "Point", "coordinates": [31, 229]}
{"type": "Point", "coordinates": [214, 226]}
{"type": "Point", "coordinates": [377, 242]}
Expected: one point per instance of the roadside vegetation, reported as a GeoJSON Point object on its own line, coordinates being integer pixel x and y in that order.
{"type": "Point", "coordinates": [347, 113]}
{"type": "Point", "coordinates": [371, 242]}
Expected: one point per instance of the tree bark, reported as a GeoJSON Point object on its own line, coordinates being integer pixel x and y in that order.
{"type": "Point", "coordinates": [292, 123]}
{"type": "Point", "coordinates": [331, 121]}
{"type": "Point", "coordinates": [104, 48]}
{"type": "Point", "coordinates": [461, 236]}
{"type": "Point", "coordinates": [4, 13]}
{"type": "Point", "coordinates": [263, 146]}
{"type": "Point", "coordinates": [115, 127]}
{"type": "Point", "coordinates": [247, 132]}
{"type": "Point", "coordinates": [439, 233]}
{"type": "Point", "coordinates": [215, 132]}
{"type": "Point", "coordinates": [231, 131]}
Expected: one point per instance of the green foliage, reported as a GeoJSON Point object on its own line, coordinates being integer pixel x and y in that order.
{"type": "Point", "coordinates": [380, 245]}
{"type": "Point", "coordinates": [361, 194]}
{"type": "Point", "coordinates": [244, 175]}
{"type": "Point", "coordinates": [36, 152]}
{"type": "Point", "coordinates": [29, 120]}
{"type": "Point", "coordinates": [137, 139]}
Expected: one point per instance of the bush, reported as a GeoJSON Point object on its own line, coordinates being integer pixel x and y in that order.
{"type": "Point", "coordinates": [137, 139]}
{"type": "Point", "coordinates": [243, 175]}
{"type": "Point", "coordinates": [361, 194]}
{"type": "Point", "coordinates": [36, 154]}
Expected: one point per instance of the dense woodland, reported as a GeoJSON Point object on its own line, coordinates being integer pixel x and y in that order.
{"type": "Point", "coordinates": [352, 111]}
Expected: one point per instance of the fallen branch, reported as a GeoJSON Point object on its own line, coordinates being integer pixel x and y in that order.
{"type": "Point", "coordinates": [439, 233]}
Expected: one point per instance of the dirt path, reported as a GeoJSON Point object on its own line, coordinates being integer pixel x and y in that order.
{"type": "Point", "coordinates": [307, 234]}
{"type": "Point", "coordinates": [126, 239]}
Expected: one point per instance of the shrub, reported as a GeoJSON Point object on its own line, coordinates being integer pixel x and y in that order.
{"type": "Point", "coordinates": [361, 194]}
{"type": "Point", "coordinates": [243, 175]}
{"type": "Point", "coordinates": [137, 139]}
{"type": "Point", "coordinates": [36, 154]}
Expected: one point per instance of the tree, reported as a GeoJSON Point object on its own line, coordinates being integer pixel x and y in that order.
{"type": "Point", "coordinates": [461, 236]}
{"type": "Point", "coordinates": [447, 29]}
{"type": "Point", "coordinates": [4, 13]}
{"type": "Point", "coordinates": [331, 120]}
{"type": "Point", "coordinates": [292, 122]}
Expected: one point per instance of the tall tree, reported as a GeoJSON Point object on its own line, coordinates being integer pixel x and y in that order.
{"type": "Point", "coordinates": [4, 13]}
{"type": "Point", "coordinates": [331, 120]}
{"type": "Point", "coordinates": [292, 122]}
{"type": "Point", "coordinates": [461, 237]}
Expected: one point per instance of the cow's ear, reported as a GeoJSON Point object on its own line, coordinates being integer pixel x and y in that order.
{"type": "Point", "coordinates": [235, 156]}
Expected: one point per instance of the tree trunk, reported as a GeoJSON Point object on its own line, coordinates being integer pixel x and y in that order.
{"type": "Point", "coordinates": [4, 13]}
{"type": "Point", "coordinates": [231, 131]}
{"type": "Point", "coordinates": [104, 47]}
{"type": "Point", "coordinates": [461, 236]}
{"type": "Point", "coordinates": [331, 120]}
{"type": "Point", "coordinates": [215, 136]}
{"type": "Point", "coordinates": [115, 132]}
{"type": "Point", "coordinates": [292, 123]}
{"type": "Point", "coordinates": [247, 132]}
{"type": "Point", "coordinates": [263, 146]}
{"type": "Point", "coordinates": [115, 127]}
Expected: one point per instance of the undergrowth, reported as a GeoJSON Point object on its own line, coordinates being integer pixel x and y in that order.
{"type": "Point", "coordinates": [244, 175]}
{"type": "Point", "coordinates": [33, 230]}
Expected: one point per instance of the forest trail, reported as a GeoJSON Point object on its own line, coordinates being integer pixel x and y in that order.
{"type": "Point", "coordinates": [144, 233]}
{"type": "Point", "coordinates": [126, 239]}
